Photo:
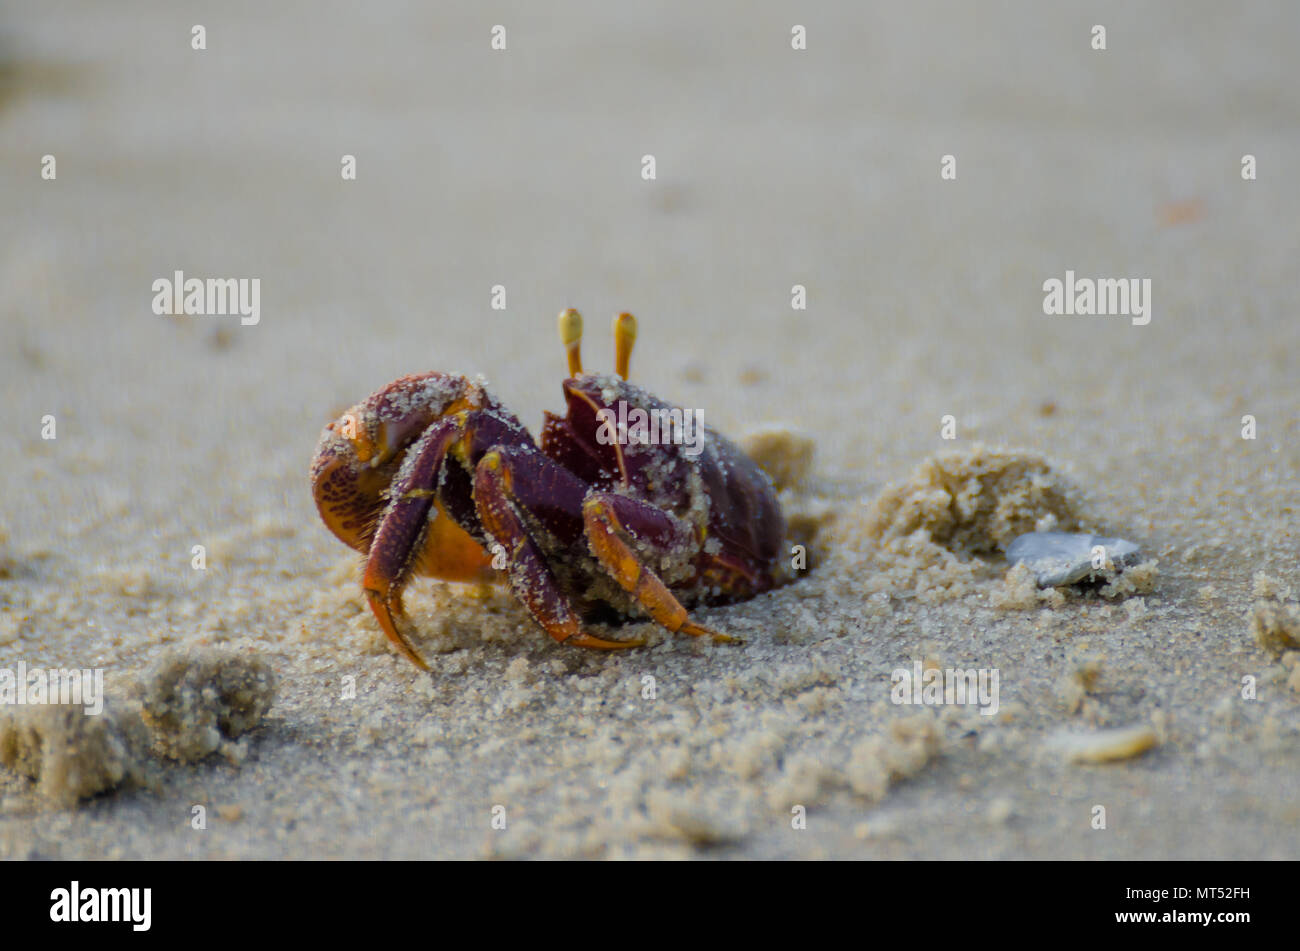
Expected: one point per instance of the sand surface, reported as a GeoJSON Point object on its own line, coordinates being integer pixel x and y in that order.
{"type": "Point", "coordinates": [775, 167]}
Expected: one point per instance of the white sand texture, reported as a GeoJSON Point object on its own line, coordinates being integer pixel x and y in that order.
{"type": "Point", "coordinates": [809, 269]}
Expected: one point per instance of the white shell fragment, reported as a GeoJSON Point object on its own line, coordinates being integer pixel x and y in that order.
{"type": "Point", "coordinates": [1061, 558]}
{"type": "Point", "coordinates": [1105, 746]}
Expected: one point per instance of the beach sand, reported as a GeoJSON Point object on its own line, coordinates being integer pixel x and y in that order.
{"type": "Point", "coordinates": [774, 167]}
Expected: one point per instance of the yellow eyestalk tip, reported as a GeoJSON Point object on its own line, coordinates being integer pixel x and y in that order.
{"type": "Point", "coordinates": [624, 338]}
{"type": "Point", "coordinates": [571, 336]}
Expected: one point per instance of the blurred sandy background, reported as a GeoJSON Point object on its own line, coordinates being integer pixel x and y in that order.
{"type": "Point", "coordinates": [775, 167]}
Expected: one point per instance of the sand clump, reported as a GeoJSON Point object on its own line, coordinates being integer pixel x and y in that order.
{"type": "Point", "coordinates": [976, 501]}
{"type": "Point", "coordinates": [786, 455]}
{"type": "Point", "coordinates": [783, 453]}
{"type": "Point", "coordinates": [8, 562]}
{"type": "Point", "coordinates": [1274, 617]}
{"type": "Point", "coordinates": [1019, 591]}
{"type": "Point", "coordinates": [1275, 625]}
{"type": "Point", "coordinates": [69, 754]}
{"type": "Point", "coordinates": [1129, 582]}
{"type": "Point", "coordinates": [879, 762]}
{"type": "Point", "coordinates": [1267, 587]}
{"type": "Point", "coordinates": [191, 704]}
{"type": "Point", "coordinates": [922, 537]}
{"type": "Point", "coordinates": [872, 767]}
{"type": "Point", "coordinates": [197, 702]}
{"type": "Point", "coordinates": [941, 533]}
{"type": "Point", "coordinates": [1075, 688]}
{"type": "Point", "coordinates": [1291, 662]}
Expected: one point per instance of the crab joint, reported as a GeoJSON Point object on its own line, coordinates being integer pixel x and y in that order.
{"type": "Point", "coordinates": [366, 451]}
{"type": "Point", "coordinates": [571, 336]}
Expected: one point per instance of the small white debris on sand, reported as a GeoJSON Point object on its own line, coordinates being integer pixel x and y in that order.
{"type": "Point", "coordinates": [1275, 625]}
{"type": "Point", "coordinates": [1105, 746]}
{"type": "Point", "coordinates": [784, 453]}
{"type": "Point", "coordinates": [70, 754]}
{"type": "Point", "coordinates": [196, 701]}
{"type": "Point", "coordinates": [1066, 558]}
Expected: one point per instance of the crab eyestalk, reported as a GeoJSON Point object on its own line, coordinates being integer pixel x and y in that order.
{"type": "Point", "coordinates": [624, 338]}
{"type": "Point", "coordinates": [571, 337]}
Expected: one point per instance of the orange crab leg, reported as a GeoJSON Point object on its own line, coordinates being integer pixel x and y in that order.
{"type": "Point", "coordinates": [530, 579]}
{"type": "Point", "coordinates": [388, 611]}
{"type": "Point", "coordinates": [608, 539]}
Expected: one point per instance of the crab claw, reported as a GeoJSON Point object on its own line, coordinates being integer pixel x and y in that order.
{"type": "Point", "coordinates": [388, 621]}
{"type": "Point", "coordinates": [699, 630]}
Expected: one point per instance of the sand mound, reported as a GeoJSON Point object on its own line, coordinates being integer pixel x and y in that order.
{"type": "Point", "coordinates": [192, 704]}
{"type": "Point", "coordinates": [976, 500]}
{"type": "Point", "coordinates": [919, 537]}
{"type": "Point", "coordinates": [1275, 625]}
{"type": "Point", "coordinates": [70, 755]}
{"type": "Point", "coordinates": [195, 701]}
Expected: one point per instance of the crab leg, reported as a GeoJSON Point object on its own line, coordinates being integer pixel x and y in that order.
{"type": "Point", "coordinates": [397, 542]}
{"type": "Point", "coordinates": [605, 516]}
{"type": "Point", "coordinates": [530, 579]}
